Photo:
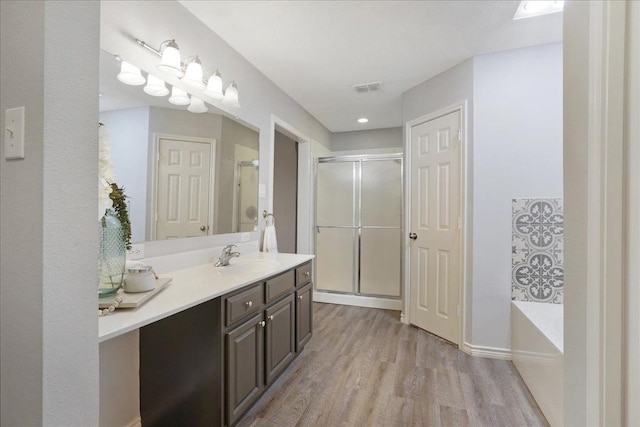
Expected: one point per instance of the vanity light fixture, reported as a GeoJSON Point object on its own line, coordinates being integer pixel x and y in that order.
{"type": "Point", "coordinates": [363, 120]}
{"type": "Point", "coordinates": [531, 8]}
{"type": "Point", "coordinates": [130, 74]}
{"type": "Point", "coordinates": [197, 105]}
{"type": "Point", "coordinates": [155, 86]}
{"type": "Point", "coordinates": [193, 74]}
{"type": "Point", "coordinates": [170, 62]}
{"type": "Point", "coordinates": [231, 96]}
{"type": "Point", "coordinates": [178, 97]}
{"type": "Point", "coordinates": [214, 87]}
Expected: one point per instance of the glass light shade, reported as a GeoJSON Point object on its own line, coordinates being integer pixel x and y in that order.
{"type": "Point", "coordinates": [214, 87]}
{"type": "Point", "coordinates": [197, 105]}
{"type": "Point", "coordinates": [170, 62]}
{"type": "Point", "coordinates": [193, 75]}
{"type": "Point", "coordinates": [155, 86]}
{"type": "Point", "coordinates": [130, 74]}
{"type": "Point", "coordinates": [178, 97]}
{"type": "Point", "coordinates": [231, 96]}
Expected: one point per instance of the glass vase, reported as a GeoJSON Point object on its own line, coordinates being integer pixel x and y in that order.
{"type": "Point", "coordinates": [113, 254]}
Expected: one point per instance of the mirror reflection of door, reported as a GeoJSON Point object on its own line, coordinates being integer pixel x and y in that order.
{"type": "Point", "coordinates": [285, 192]}
{"type": "Point", "coordinates": [184, 205]}
{"type": "Point", "coordinates": [246, 210]}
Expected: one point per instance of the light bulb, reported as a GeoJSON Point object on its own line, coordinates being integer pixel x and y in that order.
{"type": "Point", "coordinates": [197, 105]}
{"type": "Point", "coordinates": [214, 87]}
{"type": "Point", "coordinates": [178, 96]}
{"type": "Point", "coordinates": [130, 74]}
{"type": "Point", "coordinates": [155, 86]}
{"type": "Point", "coordinates": [170, 62]}
{"type": "Point", "coordinates": [231, 96]}
{"type": "Point", "coordinates": [193, 75]}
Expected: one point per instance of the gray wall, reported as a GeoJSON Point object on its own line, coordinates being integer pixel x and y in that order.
{"type": "Point", "coordinates": [48, 211]}
{"type": "Point", "coordinates": [367, 139]}
{"type": "Point", "coordinates": [285, 191]}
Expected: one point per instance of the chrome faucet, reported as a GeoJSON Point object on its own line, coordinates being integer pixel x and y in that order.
{"type": "Point", "coordinates": [226, 256]}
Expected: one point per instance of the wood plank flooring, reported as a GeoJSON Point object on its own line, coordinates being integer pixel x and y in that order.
{"type": "Point", "coordinates": [364, 368]}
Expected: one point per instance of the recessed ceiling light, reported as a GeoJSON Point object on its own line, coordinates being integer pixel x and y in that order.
{"type": "Point", "coordinates": [363, 120]}
{"type": "Point", "coordinates": [531, 8]}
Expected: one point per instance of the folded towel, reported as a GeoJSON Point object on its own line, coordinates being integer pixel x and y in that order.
{"type": "Point", "coordinates": [270, 242]}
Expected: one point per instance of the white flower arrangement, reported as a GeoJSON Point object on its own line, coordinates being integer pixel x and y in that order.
{"type": "Point", "coordinates": [105, 171]}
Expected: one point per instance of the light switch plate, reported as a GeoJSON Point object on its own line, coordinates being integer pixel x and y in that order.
{"type": "Point", "coordinates": [14, 133]}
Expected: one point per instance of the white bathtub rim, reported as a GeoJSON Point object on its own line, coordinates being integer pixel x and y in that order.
{"type": "Point", "coordinates": [546, 323]}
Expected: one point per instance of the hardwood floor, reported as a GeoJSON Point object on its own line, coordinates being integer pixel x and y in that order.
{"type": "Point", "coordinates": [364, 368]}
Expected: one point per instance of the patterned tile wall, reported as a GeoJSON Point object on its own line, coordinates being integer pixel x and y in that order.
{"type": "Point", "coordinates": [537, 241]}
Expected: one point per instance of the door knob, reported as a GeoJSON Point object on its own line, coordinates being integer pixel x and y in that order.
{"type": "Point", "coordinates": [413, 236]}
{"type": "Point", "coordinates": [202, 228]}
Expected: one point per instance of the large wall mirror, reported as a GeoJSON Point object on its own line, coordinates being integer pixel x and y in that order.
{"type": "Point", "coordinates": [185, 174]}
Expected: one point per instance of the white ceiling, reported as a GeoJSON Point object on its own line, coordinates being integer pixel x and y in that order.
{"type": "Point", "coordinates": [316, 50]}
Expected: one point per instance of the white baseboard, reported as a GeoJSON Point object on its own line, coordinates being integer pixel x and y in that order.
{"type": "Point", "coordinates": [136, 422]}
{"type": "Point", "coordinates": [357, 300]}
{"type": "Point", "coordinates": [490, 352]}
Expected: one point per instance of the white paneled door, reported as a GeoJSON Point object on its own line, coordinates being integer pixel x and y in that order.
{"type": "Point", "coordinates": [436, 226]}
{"type": "Point", "coordinates": [183, 183]}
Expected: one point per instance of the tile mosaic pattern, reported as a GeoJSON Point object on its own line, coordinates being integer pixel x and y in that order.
{"type": "Point", "coordinates": [537, 241]}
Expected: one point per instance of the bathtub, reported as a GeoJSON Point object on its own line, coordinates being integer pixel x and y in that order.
{"type": "Point", "coordinates": [537, 351]}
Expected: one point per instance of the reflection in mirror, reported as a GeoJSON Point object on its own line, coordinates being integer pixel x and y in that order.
{"type": "Point", "coordinates": [185, 174]}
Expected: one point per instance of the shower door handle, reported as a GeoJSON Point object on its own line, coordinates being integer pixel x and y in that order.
{"type": "Point", "coordinates": [413, 236]}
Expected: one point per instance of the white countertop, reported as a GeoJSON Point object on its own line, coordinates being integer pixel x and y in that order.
{"type": "Point", "coordinates": [193, 286]}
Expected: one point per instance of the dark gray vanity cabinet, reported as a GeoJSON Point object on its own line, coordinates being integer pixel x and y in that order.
{"type": "Point", "coordinates": [280, 348]}
{"type": "Point", "coordinates": [244, 368]}
{"type": "Point", "coordinates": [206, 366]}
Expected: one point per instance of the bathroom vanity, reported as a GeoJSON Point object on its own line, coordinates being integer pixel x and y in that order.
{"type": "Point", "coordinates": [217, 338]}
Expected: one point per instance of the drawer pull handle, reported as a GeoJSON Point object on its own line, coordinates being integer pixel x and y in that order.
{"type": "Point", "coordinates": [299, 296]}
{"type": "Point", "coordinates": [307, 273]}
{"type": "Point", "coordinates": [271, 317]}
{"type": "Point", "coordinates": [249, 304]}
{"type": "Point", "coordinates": [262, 323]}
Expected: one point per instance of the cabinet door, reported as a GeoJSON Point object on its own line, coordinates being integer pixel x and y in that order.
{"type": "Point", "coordinates": [280, 337]}
{"type": "Point", "coordinates": [304, 316]}
{"type": "Point", "coordinates": [244, 368]}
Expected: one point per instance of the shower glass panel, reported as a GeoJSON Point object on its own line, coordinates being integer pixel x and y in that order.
{"type": "Point", "coordinates": [358, 225]}
{"type": "Point", "coordinates": [380, 235]}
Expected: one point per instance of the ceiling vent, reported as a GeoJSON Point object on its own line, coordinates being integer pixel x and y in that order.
{"type": "Point", "coordinates": [368, 87]}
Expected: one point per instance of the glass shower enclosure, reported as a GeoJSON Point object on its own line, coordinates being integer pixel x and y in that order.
{"type": "Point", "coordinates": [359, 225]}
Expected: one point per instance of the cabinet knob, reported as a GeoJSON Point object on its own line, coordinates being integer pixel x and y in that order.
{"type": "Point", "coordinates": [307, 273]}
{"type": "Point", "coordinates": [299, 296]}
{"type": "Point", "coordinates": [271, 317]}
{"type": "Point", "coordinates": [249, 304]}
{"type": "Point", "coordinates": [262, 323]}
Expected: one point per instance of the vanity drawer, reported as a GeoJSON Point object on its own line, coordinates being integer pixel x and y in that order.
{"type": "Point", "coordinates": [279, 285]}
{"type": "Point", "coordinates": [243, 304]}
{"type": "Point", "coordinates": [303, 274]}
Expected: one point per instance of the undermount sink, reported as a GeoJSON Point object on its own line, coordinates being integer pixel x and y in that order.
{"type": "Point", "coordinates": [248, 265]}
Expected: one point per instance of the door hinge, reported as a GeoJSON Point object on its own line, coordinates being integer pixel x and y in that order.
{"type": "Point", "coordinates": [458, 310]}
{"type": "Point", "coordinates": [459, 135]}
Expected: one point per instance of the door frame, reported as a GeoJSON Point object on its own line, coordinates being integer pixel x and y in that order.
{"type": "Point", "coordinates": [465, 234]}
{"type": "Point", "coordinates": [304, 240]}
{"type": "Point", "coordinates": [152, 209]}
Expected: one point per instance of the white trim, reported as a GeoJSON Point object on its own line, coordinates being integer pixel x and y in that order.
{"type": "Point", "coordinates": [465, 202]}
{"type": "Point", "coordinates": [490, 352]}
{"type": "Point", "coordinates": [305, 183]}
{"type": "Point", "coordinates": [136, 422]}
{"type": "Point", "coordinates": [153, 187]}
{"type": "Point", "coordinates": [357, 300]}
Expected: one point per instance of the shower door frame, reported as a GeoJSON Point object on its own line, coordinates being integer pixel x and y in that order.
{"type": "Point", "coordinates": [357, 248]}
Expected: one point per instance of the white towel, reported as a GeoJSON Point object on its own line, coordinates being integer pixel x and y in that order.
{"type": "Point", "coordinates": [270, 242]}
